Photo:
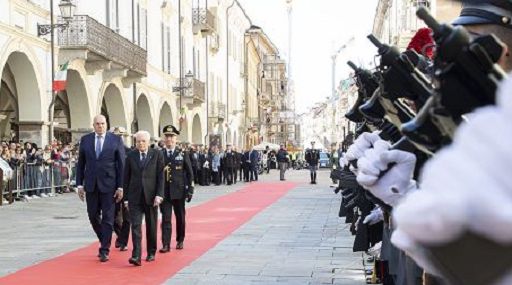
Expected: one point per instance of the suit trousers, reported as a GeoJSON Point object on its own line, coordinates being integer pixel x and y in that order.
{"type": "Point", "coordinates": [254, 173]}
{"type": "Point", "coordinates": [122, 224]}
{"type": "Point", "coordinates": [179, 211]}
{"type": "Point", "coordinates": [228, 174]}
{"type": "Point", "coordinates": [216, 177]}
{"type": "Point", "coordinates": [282, 169]}
{"type": "Point", "coordinates": [150, 214]}
{"type": "Point", "coordinates": [101, 211]}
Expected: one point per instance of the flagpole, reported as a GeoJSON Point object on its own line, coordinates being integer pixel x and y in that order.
{"type": "Point", "coordinates": [52, 51]}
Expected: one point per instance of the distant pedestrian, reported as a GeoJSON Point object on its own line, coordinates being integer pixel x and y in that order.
{"type": "Point", "coordinates": [282, 160]}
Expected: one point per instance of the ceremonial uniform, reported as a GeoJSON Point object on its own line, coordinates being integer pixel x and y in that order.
{"type": "Point", "coordinates": [178, 188]}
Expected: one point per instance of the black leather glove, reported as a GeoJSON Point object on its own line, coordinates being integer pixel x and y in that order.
{"type": "Point", "coordinates": [189, 198]}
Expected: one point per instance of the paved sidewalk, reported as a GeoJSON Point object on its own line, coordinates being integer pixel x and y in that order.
{"type": "Point", "coordinates": [297, 240]}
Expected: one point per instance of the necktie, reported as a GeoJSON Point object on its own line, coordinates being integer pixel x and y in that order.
{"type": "Point", "coordinates": [143, 157]}
{"type": "Point", "coordinates": [98, 146]}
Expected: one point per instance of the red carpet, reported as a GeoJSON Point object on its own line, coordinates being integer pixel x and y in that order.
{"type": "Point", "coordinates": [207, 225]}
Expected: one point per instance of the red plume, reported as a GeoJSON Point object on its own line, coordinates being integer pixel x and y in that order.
{"type": "Point", "coordinates": [423, 42]}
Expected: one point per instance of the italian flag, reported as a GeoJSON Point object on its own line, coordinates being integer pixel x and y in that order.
{"type": "Point", "coordinates": [59, 83]}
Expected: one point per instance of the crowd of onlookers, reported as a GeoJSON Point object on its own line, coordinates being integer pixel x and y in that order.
{"type": "Point", "coordinates": [39, 172]}
{"type": "Point", "coordinates": [36, 169]}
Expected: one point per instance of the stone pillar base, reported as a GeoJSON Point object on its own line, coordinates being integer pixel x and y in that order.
{"type": "Point", "coordinates": [76, 134]}
{"type": "Point", "coordinates": [34, 132]}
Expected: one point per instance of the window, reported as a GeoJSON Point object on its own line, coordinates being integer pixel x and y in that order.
{"type": "Point", "coordinates": [112, 13]}
{"type": "Point", "coordinates": [142, 27]}
{"type": "Point", "coordinates": [168, 32]}
{"type": "Point", "coordinates": [162, 34]}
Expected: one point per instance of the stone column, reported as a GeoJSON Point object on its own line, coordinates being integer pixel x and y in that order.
{"type": "Point", "coordinates": [76, 134]}
{"type": "Point", "coordinates": [34, 132]}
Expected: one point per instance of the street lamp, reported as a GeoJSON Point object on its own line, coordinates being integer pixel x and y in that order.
{"type": "Point", "coordinates": [184, 84]}
{"type": "Point", "coordinates": [67, 9]}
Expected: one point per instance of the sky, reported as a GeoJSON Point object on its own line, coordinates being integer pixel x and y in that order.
{"type": "Point", "coordinates": [320, 27]}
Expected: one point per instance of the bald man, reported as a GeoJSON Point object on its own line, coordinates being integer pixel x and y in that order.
{"type": "Point", "coordinates": [99, 179]}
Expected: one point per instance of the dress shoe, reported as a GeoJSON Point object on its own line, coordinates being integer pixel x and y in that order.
{"type": "Point", "coordinates": [118, 244]}
{"type": "Point", "coordinates": [151, 257]}
{"type": "Point", "coordinates": [135, 261]}
{"type": "Point", "coordinates": [104, 257]}
{"type": "Point", "coordinates": [123, 248]}
{"type": "Point", "coordinates": [165, 249]}
{"type": "Point", "coordinates": [179, 245]}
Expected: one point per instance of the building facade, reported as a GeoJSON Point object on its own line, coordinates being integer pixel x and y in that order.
{"type": "Point", "coordinates": [396, 22]}
{"type": "Point", "coordinates": [143, 64]}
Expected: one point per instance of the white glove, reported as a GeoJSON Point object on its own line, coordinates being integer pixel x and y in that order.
{"type": "Point", "coordinates": [361, 144]}
{"type": "Point", "coordinates": [396, 183]}
{"type": "Point", "coordinates": [375, 216]}
{"type": "Point", "coordinates": [371, 160]}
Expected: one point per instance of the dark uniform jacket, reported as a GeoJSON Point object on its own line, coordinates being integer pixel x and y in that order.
{"type": "Point", "coordinates": [238, 160]}
{"type": "Point", "coordinates": [282, 156]}
{"type": "Point", "coordinates": [312, 156]}
{"type": "Point", "coordinates": [229, 160]}
{"type": "Point", "coordinates": [178, 174]}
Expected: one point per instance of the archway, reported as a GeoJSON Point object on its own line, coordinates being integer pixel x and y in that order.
{"type": "Point", "coordinates": [165, 117]}
{"type": "Point", "coordinates": [20, 100]}
{"type": "Point", "coordinates": [112, 107]}
{"type": "Point", "coordinates": [71, 109]}
{"type": "Point", "coordinates": [144, 115]}
{"type": "Point", "coordinates": [197, 134]}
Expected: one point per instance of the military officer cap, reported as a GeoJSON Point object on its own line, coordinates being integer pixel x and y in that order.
{"type": "Point", "coordinates": [170, 130]}
{"type": "Point", "coordinates": [493, 12]}
{"type": "Point", "coordinates": [118, 130]}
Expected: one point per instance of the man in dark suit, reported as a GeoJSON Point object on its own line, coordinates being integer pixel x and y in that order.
{"type": "Point", "coordinates": [99, 180]}
{"type": "Point", "coordinates": [144, 186]}
{"type": "Point", "coordinates": [238, 165]}
{"type": "Point", "coordinates": [122, 216]}
{"type": "Point", "coordinates": [246, 165]}
{"type": "Point", "coordinates": [228, 161]}
{"type": "Point", "coordinates": [254, 157]}
{"type": "Point", "coordinates": [178, 188]}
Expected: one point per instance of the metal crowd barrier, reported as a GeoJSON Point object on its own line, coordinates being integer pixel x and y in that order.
{"type": "Point", "coordinates": [30, 179]}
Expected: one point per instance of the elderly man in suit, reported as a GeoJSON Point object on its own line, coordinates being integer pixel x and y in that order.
{"type": "Point", "coordinates": [144, 186]}
{"type": "Point", "coordinates": [99, 180]}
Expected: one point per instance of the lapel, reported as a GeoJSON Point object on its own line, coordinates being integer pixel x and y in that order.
{"type": "Point", "coordinates": [148, 157]}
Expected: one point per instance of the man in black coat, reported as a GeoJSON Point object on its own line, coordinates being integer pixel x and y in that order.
{"type": "Point", "coordinates": [194, 159]}
{"type": "Point", "coordinates": [246, 165]}
{"type": "Point", "coordinates": [238, 165]}
{"type": "Point", "coordinates": [179, 187]}
{"type": "Point", "coordinates": [228, 162]}
{"type": "Point", "coordinates": [312, 157]}
{"type": "Point", "coordinates": [122, 217]}
{"type": "Point", "coordinates": [144, 184]}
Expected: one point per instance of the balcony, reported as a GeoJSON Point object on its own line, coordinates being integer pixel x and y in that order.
{"type": "Point", "coordinates": [194, 95]}
{"type": "Point", "coordinates": [102, 49]}
{"type": "Point", "coordinates": [204, 21]}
